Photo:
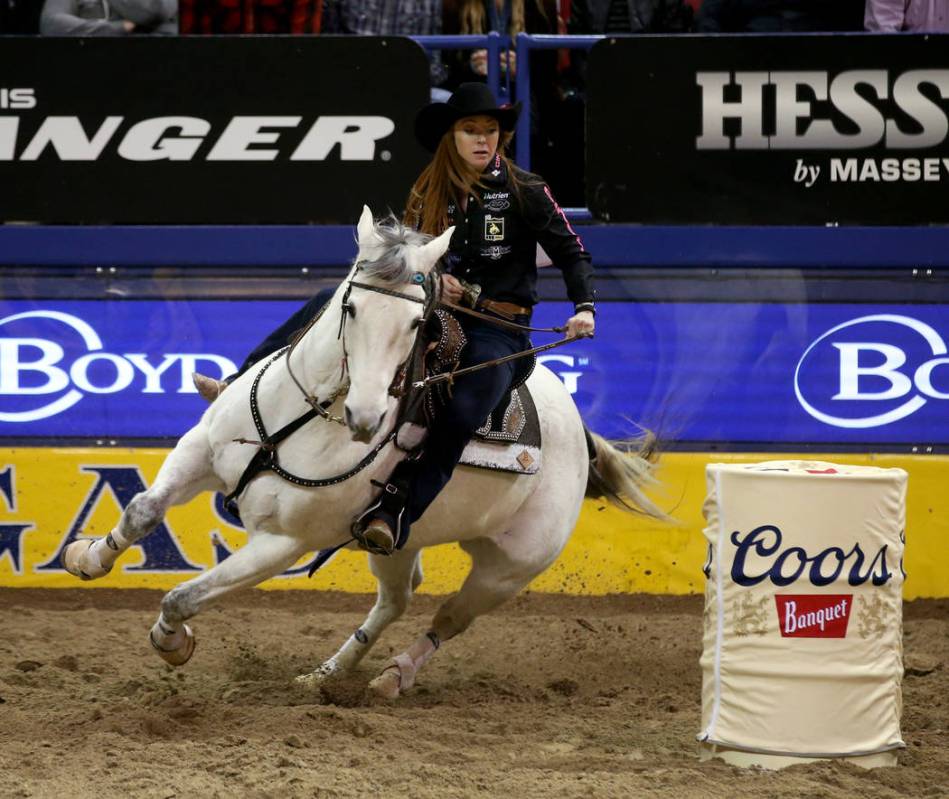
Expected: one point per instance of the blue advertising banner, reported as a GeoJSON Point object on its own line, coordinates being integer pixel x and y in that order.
{"type": "Point", "coordinates": [775, 373]}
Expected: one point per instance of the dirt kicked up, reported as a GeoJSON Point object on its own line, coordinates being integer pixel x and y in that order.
{"type": "Point", "coordinates": [548, 697]}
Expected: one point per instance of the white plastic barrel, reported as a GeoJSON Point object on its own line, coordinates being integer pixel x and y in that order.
{"type": "Point", "coordinates": [803, 655]}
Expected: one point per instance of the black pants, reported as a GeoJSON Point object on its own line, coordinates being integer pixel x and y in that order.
{"type": "Point", "coordinates": [473, 398]}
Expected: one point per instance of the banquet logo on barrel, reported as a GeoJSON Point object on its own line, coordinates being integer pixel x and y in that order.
{"type": "Point", "coordinates": [760, 556]}
{"type": "Point", "coordinates": [872, 371]}
{"type": "Point", "coordinates": [813, 616]}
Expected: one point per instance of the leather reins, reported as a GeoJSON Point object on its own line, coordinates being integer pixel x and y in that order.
{"type": "Point", "coordinates": [410, 391]}
{"type": "Point", "coordinates": [449, 377]}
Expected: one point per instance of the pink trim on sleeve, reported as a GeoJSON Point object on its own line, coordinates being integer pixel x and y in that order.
{"type": "Point", "coordinates": [563, 216]}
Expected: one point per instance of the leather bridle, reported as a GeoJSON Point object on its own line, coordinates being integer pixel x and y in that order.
{"type": "Point", "coordinates": [266, 457]}
{"type": "Point", "coordinates": [428, 302]}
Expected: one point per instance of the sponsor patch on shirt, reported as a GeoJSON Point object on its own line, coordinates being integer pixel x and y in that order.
{"type": "Point", "coordinates": [496, 252]}
{"type": "Point", "coordinates": [493, 228]}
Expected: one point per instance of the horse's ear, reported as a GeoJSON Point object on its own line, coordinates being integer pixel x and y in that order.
{"type": "Point", "coordinates": [437, 247]}
{"type": "Point", "coordinates": [365, 225]}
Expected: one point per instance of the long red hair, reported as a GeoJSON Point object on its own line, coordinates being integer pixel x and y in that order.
{"type": "Point", "coordinates": [447, 179]}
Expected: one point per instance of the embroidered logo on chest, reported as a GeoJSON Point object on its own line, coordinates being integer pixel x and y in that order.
{"type": "Point", "coordinates": [497, 200]}
{"type": "Point", "coordinates": [493, 228]}
{"type": "Point", "coordinates": [495, 252]}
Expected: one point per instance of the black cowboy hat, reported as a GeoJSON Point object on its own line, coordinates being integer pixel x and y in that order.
{"type": "Point", "coordinates": [468, 100]}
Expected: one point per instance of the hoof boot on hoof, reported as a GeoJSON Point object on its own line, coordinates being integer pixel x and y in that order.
{"type": "Point", "coordinates": [311, 681]}
{"type": "Point", "coordinates": [179, 656]}
{"type": "Point", "coordinates": [387, 685]}
{"type": "Point", "coordinates": [79, 561]}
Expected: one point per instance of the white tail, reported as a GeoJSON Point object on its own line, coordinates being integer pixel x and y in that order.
{"type": "Point", "coordinates": [620, 475]}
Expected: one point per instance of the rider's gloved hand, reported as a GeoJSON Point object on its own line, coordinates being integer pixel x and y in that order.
{"type": "Point", "coordinates": [581, 324]}
{"type": "Point", "coordinates": [452, 290]}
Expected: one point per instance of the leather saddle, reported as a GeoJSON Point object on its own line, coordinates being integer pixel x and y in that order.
{"type": "Point", "coordinates": [510, 438]}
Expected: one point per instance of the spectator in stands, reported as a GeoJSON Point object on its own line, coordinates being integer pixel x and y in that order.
{"type": "Point", "coordinates": [889, 16]}
{"type": "Point", "coordinates": [777, 16]}
{"type": "Point", "coordinates": [629, 16]}
{"type": "Point", "coordinates": [390, 18]}
{"type": "Point", "coordinates": [213, 17]}
{"type": "Point", "coordinates": [383, 17]}
{"type": "Point", "coordinates": [109, 17]}
{"type": "Point", "coordinates": [483, 16]}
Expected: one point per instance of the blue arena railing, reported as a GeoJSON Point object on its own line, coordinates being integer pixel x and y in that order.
{"type": "Point", "coordinates": [493, 42]}
{"type": "Point", "coordinates": [525, 44]}
{"type": "Point", "coordinates": [614, 245]}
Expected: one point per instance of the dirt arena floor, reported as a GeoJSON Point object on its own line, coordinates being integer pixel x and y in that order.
{"type": "Point", "coordinates": [549, 697]}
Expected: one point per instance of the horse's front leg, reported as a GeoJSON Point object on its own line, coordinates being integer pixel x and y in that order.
{"type": "Point", "coordinates": [185, 473]}
{"type": "Point", "coordinates": [398, 576]}
{"type": "Point", "coordinates": [499, 569]}
{"type": "Point", "coordinates": [265, 555]}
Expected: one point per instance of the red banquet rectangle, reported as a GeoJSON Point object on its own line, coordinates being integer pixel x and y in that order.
{"type": "Point", "coordinates": [813, 615]}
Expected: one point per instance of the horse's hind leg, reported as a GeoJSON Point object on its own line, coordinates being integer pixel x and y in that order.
{"type": "Point", "coordinates": [497, 573]}
{"type": "Point", "coordinates": [185, 473]}
{"type": "Point", "coordinates": [398, 576]}
{"type": "Point", "coordinates": [265, 555]}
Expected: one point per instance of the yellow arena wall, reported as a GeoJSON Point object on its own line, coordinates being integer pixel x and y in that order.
{"type": "Point", "coordinates": [46, 494]}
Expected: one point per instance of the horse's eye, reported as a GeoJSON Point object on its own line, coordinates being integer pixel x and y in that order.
{"type": "Point", "coordinates": [351, 310]}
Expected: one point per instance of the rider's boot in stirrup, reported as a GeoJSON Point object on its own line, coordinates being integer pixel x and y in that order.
{"type": "Point", "coordinates": [378, 537]}
{"type": "Point", "coordinates": [382, 528]}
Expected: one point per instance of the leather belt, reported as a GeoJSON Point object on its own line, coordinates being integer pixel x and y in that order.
{"type": "Point", "coordinates": [508, 310]}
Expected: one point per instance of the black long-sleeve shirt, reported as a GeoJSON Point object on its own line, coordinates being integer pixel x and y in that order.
{"type": "Point", "coordinates": [495, 241]}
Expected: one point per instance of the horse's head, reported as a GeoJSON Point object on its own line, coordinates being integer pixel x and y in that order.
{"type": "Point", "coordinates": [387, 294]}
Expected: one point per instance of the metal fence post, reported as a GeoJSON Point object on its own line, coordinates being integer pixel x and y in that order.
{"type": "Point", "coordinates": [522, 150]}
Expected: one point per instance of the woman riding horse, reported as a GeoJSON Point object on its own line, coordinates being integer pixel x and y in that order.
{"type": "Point", "coordinates": [500, 214]}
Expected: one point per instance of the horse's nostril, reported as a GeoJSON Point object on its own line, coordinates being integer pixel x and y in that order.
{"type": "Point", "coordinates": [381, 417]}
{"type": "Point", "coordinates": [349, 416]}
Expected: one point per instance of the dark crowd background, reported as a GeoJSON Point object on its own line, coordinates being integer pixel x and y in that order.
{"type": "Point", "coordinates": [557, 77]}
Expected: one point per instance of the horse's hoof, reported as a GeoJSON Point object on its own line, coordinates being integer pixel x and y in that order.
{"type": "Point", "coordinates": [179, 656]}
{"type": "Point", "coordinates": [80, 562]}
{"type": "Point", "coordinates": [315, 679]}
{"type": "Point", "coordinates": [387, 685]}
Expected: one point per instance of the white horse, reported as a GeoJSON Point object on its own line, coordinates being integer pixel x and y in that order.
{"type": "Point", "coordinates": [513, 526]}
